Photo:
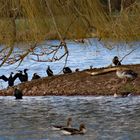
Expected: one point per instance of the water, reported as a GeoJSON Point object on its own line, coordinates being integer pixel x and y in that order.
{"type": "Point", "coordinates": [106, 118]}
{"type": "Point", "coordinates": [81, 56]}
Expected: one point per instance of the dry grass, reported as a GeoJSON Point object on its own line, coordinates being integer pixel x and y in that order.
{"type": "Point", "coordinates": [33, 21]}
{"type": "Point", "coordinates": [37, 20]}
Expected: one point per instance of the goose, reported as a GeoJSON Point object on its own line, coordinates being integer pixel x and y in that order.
{"type": "Point", "coordinates": [67, 70]}
{"type": "Point", "coordinates": [122, 94]}
{"type": "Point", "coordinates": [59, 127]}
{"type": "Point", "coordinates": [35, 76]}
{"type": "Point", "coordinates": [126, 74]}
{"type": "Point", "coordinates": [18, 93]}
{"type": "Point", "coordinates": [73, 131]}
{"type": "Point", "coordinates": [116, 61]}
{"type": "Point", "coordinates": [11, 79]}
{"type": "Point", "coordinates": [121, 72]}
{"type": "Point", "coordinates": [49, 71]}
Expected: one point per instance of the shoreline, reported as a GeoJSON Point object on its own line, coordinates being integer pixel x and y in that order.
{"type": "Point", "coordinates": [79, 84]}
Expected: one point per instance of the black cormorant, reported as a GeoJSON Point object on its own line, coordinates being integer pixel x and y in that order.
{"type": "Point", "coordinates": [22, 77]}
{"type": "Point", "coordinates": [18, 93]}
{"type": "Point", "coordinates": [10, 79]}
{"type": "Point", "coordinates": [49, 71]}
{"type": "Point", "coordinates": [76, 70]}
{"type": "Point", "coordinates": [116, 61]}
{"type": "Point", "coordinates": [67, 70]}
{"type": "Point", "coordinates": [35, 76]}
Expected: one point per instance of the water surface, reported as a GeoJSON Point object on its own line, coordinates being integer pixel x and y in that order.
{"type": "Point", "coordinates": [106, 118]}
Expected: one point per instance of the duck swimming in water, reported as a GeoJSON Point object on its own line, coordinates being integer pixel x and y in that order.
{"type": "Point", "coordinates": [49, 71]}
{"type": "Point", "coordinates": [18, 93]}
{"type": "Point", "coordinates": [116, 61]}
{"type": "Point", "coordinates": [73, 131]}
{"type": "Point", "coordinates": [35, 76]}
{"type": "Point", "coordinates": [59, 127]}
{"type": "Point", "coordinates": [67, 70]}
{"type": "Point", "coordinates": [11, 79]}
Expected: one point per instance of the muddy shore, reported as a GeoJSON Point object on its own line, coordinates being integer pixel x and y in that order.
{"type": "Point", "coordinates": [79, 83]}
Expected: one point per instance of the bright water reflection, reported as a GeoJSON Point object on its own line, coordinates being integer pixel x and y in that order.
{"type": "Point", "coordinates": [106, 118]}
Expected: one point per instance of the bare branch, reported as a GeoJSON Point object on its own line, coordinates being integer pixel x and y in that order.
{"type": "Point", "coordinates": [127, 54]}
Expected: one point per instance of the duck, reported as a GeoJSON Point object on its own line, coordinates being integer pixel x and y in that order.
{"type": "Point", "coordinates": [22, 77]}
{"type": "Point", "coordinates": [74, 131]}
{"type": "Point", "coordinates": [122, 94]}
{"type": "Point", "coordinates": [67, 70]}
{"type": "Point", "coordinates": [126, 74]}
{"type": "Point", "coordinates": [11, 79]}
{"type": "Point", "coordinates": [18, 93]}
{"type": "Point", "coordinates": [59, 127]}
{"type": "Point", "coordinates": [35, 76]}
{"type": "Point", "coordinates": [116, 61]}
{"type": "Point", "coordinates": [49, 71]}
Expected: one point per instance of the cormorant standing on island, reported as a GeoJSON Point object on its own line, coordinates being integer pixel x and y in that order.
{"type": "Point", "coordinates": [67, 70]}
{"type": "Point", "coordinates": [77, 70]}
{"type": "Point", "coordinates": [35, 76]}
{"type": "Point", "coordinates": [49, 71]}
{"type": "Point", "coordinates": [116, 61]}
{"type": "Point", "coordinates": [23, 77]}
{"type": "Point", "coordinates": [10, 79]}
{"type": "Point", "coordinates": [18, 93]}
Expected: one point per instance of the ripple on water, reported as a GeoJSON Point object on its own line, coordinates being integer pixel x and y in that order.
{"type": "Point", "coordinates": [106, 118]}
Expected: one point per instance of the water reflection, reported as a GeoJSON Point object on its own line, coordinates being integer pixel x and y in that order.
{"type": "Point", "coordinates": [106, 118]}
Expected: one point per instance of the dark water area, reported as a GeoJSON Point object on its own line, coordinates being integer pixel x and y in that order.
{"type": "Point", "coordinates": [106, 118]}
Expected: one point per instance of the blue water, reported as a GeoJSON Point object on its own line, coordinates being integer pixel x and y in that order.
{"type": "Point", "coordinates": [82, 56]}
{"type": "Point", "coordinates": [106, 118]}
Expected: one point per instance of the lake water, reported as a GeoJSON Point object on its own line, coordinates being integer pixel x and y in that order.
{"type": "Point", "coordinates": [106, 118]}
{"type": "Point", "coordinates": [81, 56]}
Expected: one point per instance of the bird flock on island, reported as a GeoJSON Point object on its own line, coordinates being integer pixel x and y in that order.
{"type": "Point", "coordinates": [23, 75]}
{"type": "Point", "coordinates": [121, 72]}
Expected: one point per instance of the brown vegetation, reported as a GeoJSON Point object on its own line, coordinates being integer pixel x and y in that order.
{"type": "Point", "coordinates": [33, 21]}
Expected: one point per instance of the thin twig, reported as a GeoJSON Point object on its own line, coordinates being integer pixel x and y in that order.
{"type": "Point", "coordinates": [127, 54]}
